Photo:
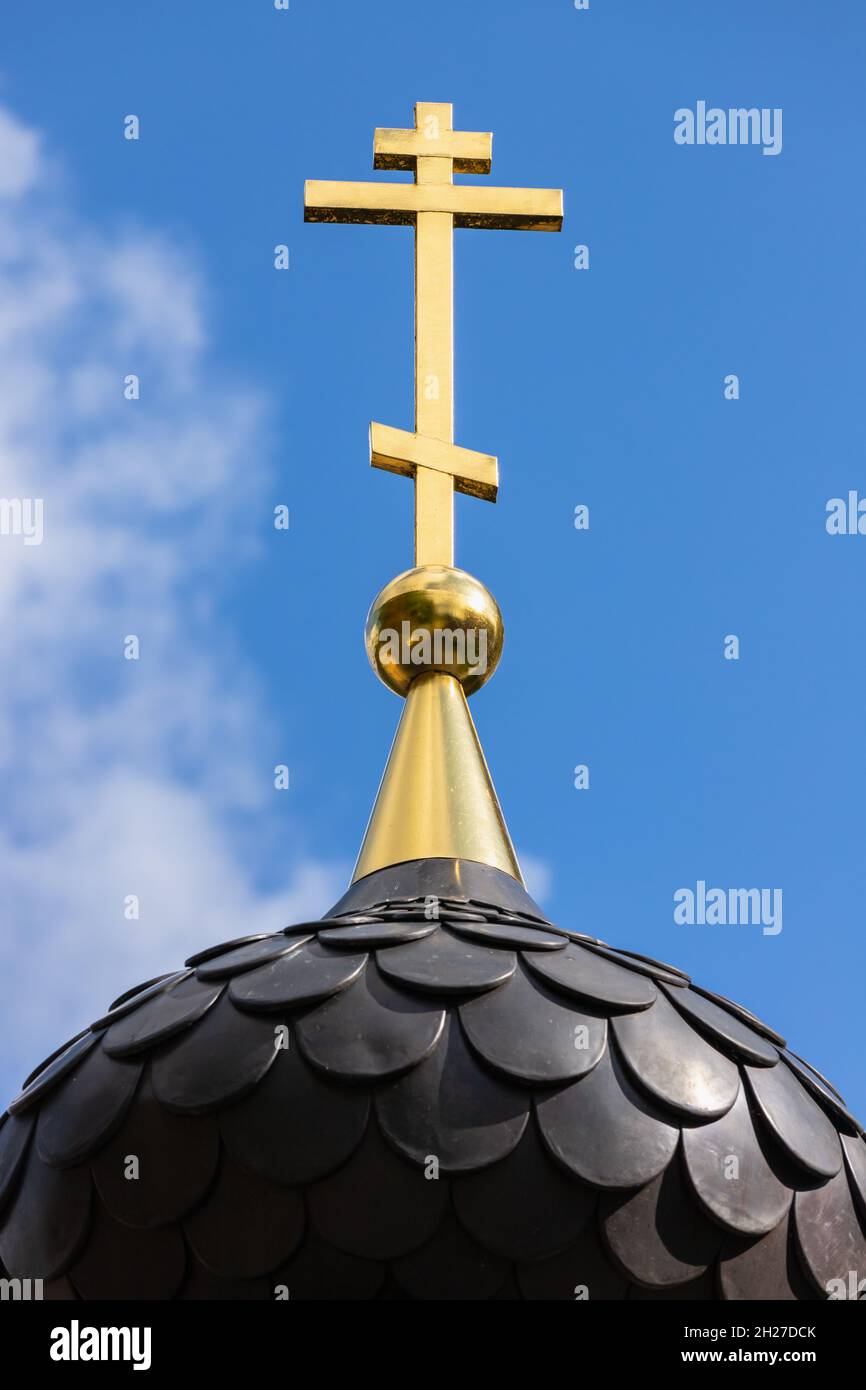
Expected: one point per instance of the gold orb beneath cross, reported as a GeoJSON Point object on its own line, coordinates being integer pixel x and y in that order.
{"type": "Point", "coordinates": [434, 618]}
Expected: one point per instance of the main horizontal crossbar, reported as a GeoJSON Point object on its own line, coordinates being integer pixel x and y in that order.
{"type": "Point", "coordinates": [520, 209]}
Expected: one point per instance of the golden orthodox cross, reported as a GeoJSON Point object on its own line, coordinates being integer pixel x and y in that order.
{"type": "Point", "coordinates": [434, 205]}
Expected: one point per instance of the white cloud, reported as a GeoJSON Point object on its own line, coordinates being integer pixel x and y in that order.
{"type": "Point", "coordinates": [120, 777]}
{"type": "Point", "coordinates": [19, 157]}
{"type": "Point", "coordinates": [142, 836]}
{"type": "Point", "coordinates": [537, 875]}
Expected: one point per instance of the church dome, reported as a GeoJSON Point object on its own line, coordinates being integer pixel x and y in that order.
{"type": "Point", "coordinates": [432, 1093]}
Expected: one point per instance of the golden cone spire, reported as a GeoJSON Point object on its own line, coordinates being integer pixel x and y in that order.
{"type": "Point", "coordinates": [434, 634]}
{"type": "Point", "coordinates": [436, 800]}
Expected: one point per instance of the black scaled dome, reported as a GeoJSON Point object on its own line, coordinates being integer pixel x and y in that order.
{"type": "Point", "coordinates": [596, 1122]}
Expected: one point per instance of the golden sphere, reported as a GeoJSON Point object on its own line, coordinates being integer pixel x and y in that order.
{"type": "Point", "coordinates": [434, 618]}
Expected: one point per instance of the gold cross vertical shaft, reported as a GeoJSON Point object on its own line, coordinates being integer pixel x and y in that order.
{"type": "Point", "coordinates": [434, 345]}
{"type": "Point", "coordinates": [434, 205]}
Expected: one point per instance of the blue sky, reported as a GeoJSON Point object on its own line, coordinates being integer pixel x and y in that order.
{"type": "Point", "coordinates": [603, 387]}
